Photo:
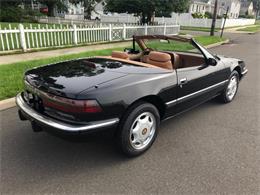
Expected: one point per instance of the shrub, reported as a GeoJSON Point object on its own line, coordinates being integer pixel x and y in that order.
{"type": "Point", "coordinates": [208, 15]}
{"type": "Point", "coordinates": [197, 15]}
{"type": "Point", "coordinates": [17, 14]}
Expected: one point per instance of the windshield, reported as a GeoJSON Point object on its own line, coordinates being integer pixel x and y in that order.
{"type": "Point", "coordinates": [171, 45]}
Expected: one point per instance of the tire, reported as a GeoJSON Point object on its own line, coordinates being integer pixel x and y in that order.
{"type": "Point", "coordinates": [138, 129]}
{"type": "Point", "coordinates": [231, 89]}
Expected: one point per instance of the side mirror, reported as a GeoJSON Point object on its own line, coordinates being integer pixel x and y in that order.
{"type": "Point", "coordinates": [212, 61]}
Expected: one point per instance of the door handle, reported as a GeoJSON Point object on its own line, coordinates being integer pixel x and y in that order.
{"type": "Point", "coordinates": [183, 82]}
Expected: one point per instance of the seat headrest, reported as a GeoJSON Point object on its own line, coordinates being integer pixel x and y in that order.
{"type": "Point", "coordinates": [162, 60]}
{"type": "Point", "coordinates": [120, 54]}
{"type": "Point", "coordinates": [159, 56]}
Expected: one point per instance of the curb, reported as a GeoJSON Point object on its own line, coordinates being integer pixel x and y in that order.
{"type": "Point", "coordinates": [6, 104]}
{"type": "Point", "coordinates": [10, 103]}
{"type": "Point", "coordinates": [217, 44]}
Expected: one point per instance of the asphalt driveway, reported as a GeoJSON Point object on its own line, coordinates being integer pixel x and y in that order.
{"type": "Point", "coordinates": [214, 148]}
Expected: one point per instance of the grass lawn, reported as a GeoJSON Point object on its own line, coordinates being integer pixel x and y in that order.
{"type": "Point", "coordinates": [11, 75]}
{"type": "Point", "coordinates": [203, 29]}
{"type": "Point", "coordinates": [253, 29]}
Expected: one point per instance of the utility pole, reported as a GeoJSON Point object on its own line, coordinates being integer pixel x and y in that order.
{"type": "Point", "coordinates": [214, 19]}
{"type": "Point", "coordinates": [223, 27]}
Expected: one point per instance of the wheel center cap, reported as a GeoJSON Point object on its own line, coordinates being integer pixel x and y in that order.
{"type": "Point", "coordinates": [144, 131]}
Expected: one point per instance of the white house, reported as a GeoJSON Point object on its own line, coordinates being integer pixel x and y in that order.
{"type": "Point", "coordinates": [75, 12]}
{"type": "Point", "coordinates": [198, 6]}
{"type": "Point", "coordinates": [202, 6]}
{"type": "Point", "coordinates": [233, 5]}
{"type": "Point", "coordinates": [247, 8]}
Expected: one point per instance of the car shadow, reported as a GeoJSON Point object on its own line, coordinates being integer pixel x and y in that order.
{"type": "Point", "coordinates": [42, 157]}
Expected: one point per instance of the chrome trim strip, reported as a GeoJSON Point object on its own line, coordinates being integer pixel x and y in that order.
{"type": "Point", "coordinates": [58, 124]}
{"type": "Point", "coordinates": [244, 72]}
{"type": "Point", "coordinates": [173, 102]}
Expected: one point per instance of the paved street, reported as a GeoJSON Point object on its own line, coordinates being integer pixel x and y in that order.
{"type": "Point", "coordinates": [214, 148]}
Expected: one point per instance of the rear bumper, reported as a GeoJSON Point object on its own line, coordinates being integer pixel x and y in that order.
{"type": "Point", "coordinates": [33, 115]}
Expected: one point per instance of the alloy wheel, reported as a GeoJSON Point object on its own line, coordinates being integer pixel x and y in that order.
{"type": "Point", "coordinates": [142, 130]}
{"type": "Point", "coordinates": [232, 87]}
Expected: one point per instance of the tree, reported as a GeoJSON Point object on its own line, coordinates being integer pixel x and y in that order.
{"type": "Point", "coordinates": [13, 11]}
{"type": "Point", "coordinates": [89, 6]}
{"type": "Point", "coordinates": [256, 7]}
{"type": "Point", "coordinates": [146, 9]}
{"type": "Point", "coordinates": [52, 4]}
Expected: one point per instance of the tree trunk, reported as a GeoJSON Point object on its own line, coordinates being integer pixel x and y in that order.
{"type": "Point", "coordinates": [50, 10]}
{"type": "Point", "coordinates": [143, 20]}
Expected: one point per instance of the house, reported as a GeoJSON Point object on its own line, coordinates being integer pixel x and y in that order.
{"type": "Point", "coordinates": [233, 5]}
{"type": "Point", "coordinates": [199, 6]}
{"type": "Point", "coordinates": [77, 11]}
{"type": "Point", "coordinates": [74, 12]}
{"type": "Point", "coordinates": [247, 8]}
{"type": "Point", "coordinates": [203, 6]}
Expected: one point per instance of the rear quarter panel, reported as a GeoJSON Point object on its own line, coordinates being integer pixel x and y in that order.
{"type": "Point", "coordinates": [116, 96]}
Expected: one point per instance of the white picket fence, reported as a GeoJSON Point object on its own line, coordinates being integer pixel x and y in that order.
{"type": "Point", "coordinates": [183, 19]}
{"type": "Point", "coordinates": [57, 36]}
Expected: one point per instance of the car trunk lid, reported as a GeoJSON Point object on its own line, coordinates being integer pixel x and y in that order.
{"type": "Point", "coordinates": [69, 78]}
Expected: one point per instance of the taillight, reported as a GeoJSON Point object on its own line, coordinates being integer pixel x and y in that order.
{"type": "Point", "coordinates": [69, 105]}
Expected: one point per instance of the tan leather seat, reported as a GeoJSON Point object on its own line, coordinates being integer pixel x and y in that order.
{"type": "Point", "coordinates": [144, 58]}
{"type": "Point", "coordinates": [120, 54]}
{"type": "Point", "coordinates": [176, 62]}
{"type": "Point", "coordinates": [162, 60]}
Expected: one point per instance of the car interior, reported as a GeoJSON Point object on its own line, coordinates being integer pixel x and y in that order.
{"type": "Point", "coordinates": [163, 59]}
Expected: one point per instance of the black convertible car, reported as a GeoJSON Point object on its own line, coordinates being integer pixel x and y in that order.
{"type": "Point", "coordinates": [130, 91]}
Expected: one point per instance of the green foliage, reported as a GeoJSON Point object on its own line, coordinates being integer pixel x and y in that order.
{"type": "Point", "coordinates": [193, 28]}
{"type": "Point", "coordinates": [197, 15]}
{"type": "Point", "coordinates": [17, 14]}
{"type": "Point", "coordinates": [246, 16]}
{"type": "Point", "coordinates": [253, 29]}
{"type": "Point", "coordinates": [208, 15]}
{"type": "Point", "coordinates": [146, 8]}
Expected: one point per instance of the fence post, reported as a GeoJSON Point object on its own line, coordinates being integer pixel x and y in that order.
{"type": "Point", "coordinates": [145, 29]}
{"type": "Point", "coordinates": [75, 37]}
{"type": "Point", "coordinates": [110, 32]}
{"type": "Point", "coordinates": [164, 29]}
{"type": "Point", "coordinates": [124, 32]}
{"type": "Point", "coordinates": [22, 38]}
